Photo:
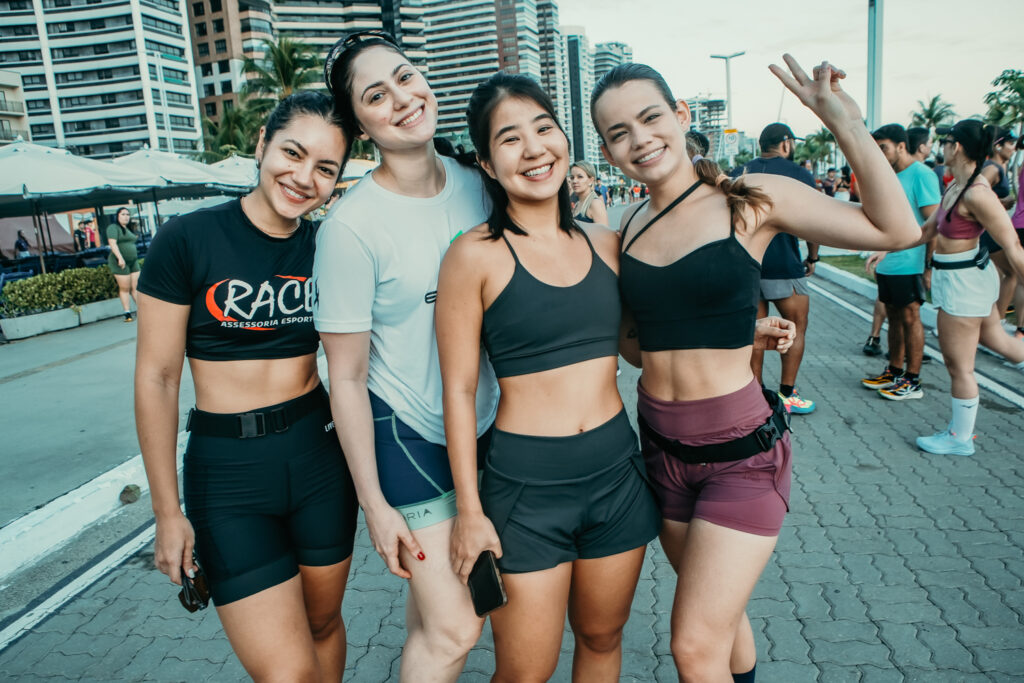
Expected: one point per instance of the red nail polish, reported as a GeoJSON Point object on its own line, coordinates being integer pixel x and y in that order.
{"type": "Point", "coordinates": [420, 556]}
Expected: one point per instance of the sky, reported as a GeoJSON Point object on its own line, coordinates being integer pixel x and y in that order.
{"type": "Point", "coordinates": [952, 48]}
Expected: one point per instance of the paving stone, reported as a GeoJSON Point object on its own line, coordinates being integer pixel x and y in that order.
{"type": "Point", "coordinates": [947, 651]}
{"type": "Point", "coordinates": [1004, 661]}
{"type": "Point", "coordinates": [907, 649]}
{"type": "Point", "coordinates": [874, 674]}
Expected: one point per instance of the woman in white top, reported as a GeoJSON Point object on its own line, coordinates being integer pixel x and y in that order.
{"type": "Point", "coordinates": [375, 280]}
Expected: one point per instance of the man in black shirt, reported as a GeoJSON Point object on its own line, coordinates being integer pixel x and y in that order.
{"type": "Point", "coordinates": [80, 238]}
{"type": "Point", "coordinates": [783, 273]}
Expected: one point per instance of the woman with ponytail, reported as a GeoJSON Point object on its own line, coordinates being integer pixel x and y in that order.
{"type": "Point", "coordinates": [375, 283]}
{"type": "Point", "coordinates": [716, 446]}
{"type": "Point", "coordinates": [965, 284]}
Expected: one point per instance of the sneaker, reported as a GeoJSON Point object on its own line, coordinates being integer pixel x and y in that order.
{"type": "Point", "coordinates": [873, 347]}
{"type": "Point", "coordinates": [945, 443]}
{"type": "Point", "coordinates": [128, 318]}
{"type": "Point", "coordinates": [796, 405]}
{"type": "Point", "coordinates": [883, 381]}
{"type": "Point", "coordinates": [1008, 327]}
{"type": "Point", "coordinates": [902, 390]}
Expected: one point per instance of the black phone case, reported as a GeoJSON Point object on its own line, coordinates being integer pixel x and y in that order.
{"type": "Point", "coordinates": [485, 586]}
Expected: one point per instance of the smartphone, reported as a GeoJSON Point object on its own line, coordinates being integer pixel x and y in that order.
{"type": "Point", "coordinates": [485, 585]}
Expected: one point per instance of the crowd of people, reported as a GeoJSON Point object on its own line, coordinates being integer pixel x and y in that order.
{"type": "Point", "coordinates": [472, 315]}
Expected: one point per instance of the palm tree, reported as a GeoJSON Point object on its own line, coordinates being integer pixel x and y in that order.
{"type": "Point", "coordinates": [1006, 103]}
{"type": "Point", "coordinates": [287, 66]}
{"type": "Point", "coordinates": [826, 142]}
{"type": "Point", "coordinates": [235, 132]}
{"type": "Point", "coordinates": [933, 114]}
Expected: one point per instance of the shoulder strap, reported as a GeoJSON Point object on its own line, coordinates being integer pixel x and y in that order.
{"type": "Point", "coordinates": [513, 251]}
{"type": "Point", "coordinates": [664, 211]}
{"type": "Point", "coordinates": [630, 221]}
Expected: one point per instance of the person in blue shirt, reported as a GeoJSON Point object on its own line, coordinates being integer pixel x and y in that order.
{"type": "Point", "coordinates": [901, 275]}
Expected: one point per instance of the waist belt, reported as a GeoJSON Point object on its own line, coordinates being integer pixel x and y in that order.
{"type": "Point", "coordinates": [761, 439]}
{"type": "Point", "coordinates": [980, 260]}
{"type": "Point", "coordinates": [255, 423]}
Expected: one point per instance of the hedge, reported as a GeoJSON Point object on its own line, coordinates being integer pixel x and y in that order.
{"type": "Point", "coordinates": [51, 291]}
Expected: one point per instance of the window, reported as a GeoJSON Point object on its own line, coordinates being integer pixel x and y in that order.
{"type": "Point", "coordinates": [42, 129]}
{"type": "Point", "coordinates": [225, 87]}
{"type": "Point", "coordinates": [108, 98]}
{"type": "Point", "coordinates": [182, 121]}
{"type": "Point", "coordinates": [24, 30]}
{"type": "Point", "coordinates": [201, 28]}
{"type": "Point", "coordinates": [218, 26]}
{"type": "Point", "coordinates": [207, 69]}
{"type": "Point", "coordinates": [100, 49]}
{"type": "Point", "coordinates": [97, 24]}
{"type": "Point", "coordinates": [211, 108]}
{"type": "Point", "coordinates": [104, 74]}
{"type": "Point", "coordinates": [20, 4]}
{"type": "Point", "coordinates": [220, 46]}
{"type": "Point", "coordinates": [38, 105]}
{"type": "Point", "coordinates": [229, 105]}
{"type": "Point", "coordinates": [178, 98]}
{"type": "Point", "coordinates": [34, 80]}
{"type": "Point", "coordinates": [203, 50]}
{"type": "Point", "coordinates": [215, 6]}
{"type": "Point", "coordinates": [223, 66]}
{"type": "Point", "coordinates": [208, 90]}
{"type": "Point", "coordinates": [113, 123]}
{"type": "Point", "coordinates": [198, 9]}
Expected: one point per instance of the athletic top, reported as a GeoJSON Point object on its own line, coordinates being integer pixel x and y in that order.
{"type": "Point", "coordinates": [1018, 213]}
{"type": "Point", "coordinates": [706, 299]}
{"type": "Point", "coordinates": [582, 206]}
{"type": "Point", "coordinates": [125, 240]}
{"type": "Point", "coordinates": [1002, 186]}
{"type": "Point", "coordinates": [922, 189]}
{"type": "Point", "coordinates": [781, 259]}
{"type": "Point", "coordinates": [378, 257]}
{"type": "Point", "coordinates": [956, 227]}
{"type": "Point", "coordinates": [532, 326]}
{"type": "Point", "coordinates": [249, 293]}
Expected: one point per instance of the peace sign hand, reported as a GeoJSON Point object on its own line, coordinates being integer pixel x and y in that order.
{"type": "Point", "coordinates": [821, 94]}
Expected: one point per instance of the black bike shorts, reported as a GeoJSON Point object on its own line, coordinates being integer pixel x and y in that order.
{"type": "Point", "coordinates": [263, 506]}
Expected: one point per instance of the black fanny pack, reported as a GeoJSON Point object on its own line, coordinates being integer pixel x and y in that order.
{"type": "Point", "coordinates": [979, 261]}
{"type": "Point", "coordinates": [255, 423]}
{"type": "Point", "coordinates": [758, 441]}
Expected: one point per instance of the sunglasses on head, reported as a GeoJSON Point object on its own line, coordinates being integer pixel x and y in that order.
{"type": "Point", "coordinates": [195, 592]}
{"type": "Point", "coordinates": [351, 40]}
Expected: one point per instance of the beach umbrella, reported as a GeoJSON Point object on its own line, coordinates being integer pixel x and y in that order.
{"type": "Point", "coordinates": [236, 169]}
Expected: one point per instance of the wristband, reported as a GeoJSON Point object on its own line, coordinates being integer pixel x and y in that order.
{"type": "Point", "coordinates": [811, 260]}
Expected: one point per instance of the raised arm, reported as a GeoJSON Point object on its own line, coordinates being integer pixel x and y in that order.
{"type": "Point", "coordinates": [883, 219]}
{"type": "Point", "coordinates": [159, 356]}
{"type": "Point", "coordinates": [459, 317]}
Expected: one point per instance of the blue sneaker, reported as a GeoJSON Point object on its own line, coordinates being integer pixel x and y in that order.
{"type": "Point", "coordinates": [796, 405]}
{"type": "Point", "coordinates": [945, 443]}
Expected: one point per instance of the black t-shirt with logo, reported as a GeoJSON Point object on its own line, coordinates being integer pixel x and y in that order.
{"type": "Point", "coordinates": [250, 293]}
{"type": "Point", "coordinates": [782, 257]}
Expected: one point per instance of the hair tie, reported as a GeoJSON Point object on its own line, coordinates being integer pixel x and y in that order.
{"type": "Point", "coordinates": [697, 157]}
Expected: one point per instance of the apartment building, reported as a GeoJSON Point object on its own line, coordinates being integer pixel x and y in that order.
{"type": "Point", "coordinates": [13, 118]}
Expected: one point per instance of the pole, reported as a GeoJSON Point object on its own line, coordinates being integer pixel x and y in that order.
{"type": "Point", "coordinates": [728, 83]}
{"type": "Point", "coordinates": [875, 12]}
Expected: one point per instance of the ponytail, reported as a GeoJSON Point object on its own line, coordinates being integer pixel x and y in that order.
{"type": "Point", "coordinates": [738, 195]}
{"type": "Point", "coordinates": [976, 147]}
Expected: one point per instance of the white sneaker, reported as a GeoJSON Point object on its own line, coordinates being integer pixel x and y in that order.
{"type": "Point", "coordinates": [1009, 327]}
{"type": "Point", "coordinates": [945, 443]}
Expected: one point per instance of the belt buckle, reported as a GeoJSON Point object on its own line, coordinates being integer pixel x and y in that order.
{"type": "Point", "coordinates": [251, 425]}
{"type": "Point", "coordinates": [765, 436]}
{"type": "Point", "coordinates": [279, 421]}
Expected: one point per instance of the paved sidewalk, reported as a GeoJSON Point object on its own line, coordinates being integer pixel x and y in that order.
{"type": "Point", "coordinates": [893, 565]}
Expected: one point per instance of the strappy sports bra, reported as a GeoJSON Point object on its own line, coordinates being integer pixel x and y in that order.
{"type": "Point", "coordinates": [956, 227]}
{"type": "Point", "coordinates": [706, 299]}
{"type": "Point", "coordinates": [533, 326]}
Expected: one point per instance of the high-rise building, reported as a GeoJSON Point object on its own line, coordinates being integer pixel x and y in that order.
{"type": "Point", "coordinates": [462, 51]}
{"type": "Point", "coordinates": [518, 37]}
{"type": "Point", "coordinates": [103, 78]}
{"type": "Point", "coordinates": [13, 118]}
{"type": "Point", "coordinates": [225, 32]}
{"type": "Point", "coordinates": [580, 66]}
{"type": "Point", "coordinates": [553, 73]}
{"type": "Point", "coordinates": [708, 116]}
{"type": "Point", "coordinates": [607, 56]}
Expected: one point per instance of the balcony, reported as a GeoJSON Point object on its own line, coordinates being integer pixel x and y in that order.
{"type": "Point", "coordinates": [12, 134]}
{"type": "Point", "coordinates": [11, 107]}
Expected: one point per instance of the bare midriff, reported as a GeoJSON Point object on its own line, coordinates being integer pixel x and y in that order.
{"type": "Point", "coordinates": [693, 374]}
{"type": "Point", "coordinates": [560, 402]}
{"type": "Point", "coordinates": [948, 245]}
{"type": "Point", "coordinates": [237, 386]}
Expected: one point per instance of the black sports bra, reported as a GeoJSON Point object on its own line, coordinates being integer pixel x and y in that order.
{"type": "Point", "coordinates": [706, 299]}
{"type": "Point", "coordinates": [532, 326]}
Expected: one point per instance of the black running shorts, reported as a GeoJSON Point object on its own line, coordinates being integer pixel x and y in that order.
{"type": "Point", "coordinates": [900, 290]}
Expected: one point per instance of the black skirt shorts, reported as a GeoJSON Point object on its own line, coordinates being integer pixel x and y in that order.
{"type": "Point", "coordinates": [263, 505]}
{"type": "Point", "coordinates": [558, 499]}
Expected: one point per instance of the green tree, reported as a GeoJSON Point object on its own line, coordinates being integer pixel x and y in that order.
{"type": "Point", "coordinates": [933, 113]}
{"type": "Point", "coordinates": [742, 157]}
{"type": "Point", "coordinates": [287, 66]}
{"type": "Point", "coordinates": [825, 143]}
{"type": "Point", "coordinates": [235, 132]}
{"type": "Point", "coordinates": [1006, 103]}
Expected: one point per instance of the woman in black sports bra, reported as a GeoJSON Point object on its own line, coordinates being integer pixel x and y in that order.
{"type": "Point", "coordinates": [716, 448]}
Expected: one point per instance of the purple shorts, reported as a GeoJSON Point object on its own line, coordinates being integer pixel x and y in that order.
{"type": "Point", "coordinates": [749, 495]}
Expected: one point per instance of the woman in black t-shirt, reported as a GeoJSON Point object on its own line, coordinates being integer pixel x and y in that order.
{"type": "Point", "coordinates": [271, 509]}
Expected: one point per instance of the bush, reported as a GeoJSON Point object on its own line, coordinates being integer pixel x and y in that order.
{"type": "Point", "coordinates": [51, 291]}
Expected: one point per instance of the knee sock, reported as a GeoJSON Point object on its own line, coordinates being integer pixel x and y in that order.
{"type": "Point", "coordinates": [744, 678]}
{"type": "Point", "coordinates": [965, 411]}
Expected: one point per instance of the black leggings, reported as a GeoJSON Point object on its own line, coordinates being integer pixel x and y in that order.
{"type": "Point", "coordinates": [263, 506]}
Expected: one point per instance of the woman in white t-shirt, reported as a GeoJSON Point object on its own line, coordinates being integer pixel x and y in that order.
{"type": "Point", "coordinates": [375, 279]}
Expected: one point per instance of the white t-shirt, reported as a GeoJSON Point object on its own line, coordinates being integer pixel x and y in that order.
{"type": "Point", "coordinates": [378, 255]}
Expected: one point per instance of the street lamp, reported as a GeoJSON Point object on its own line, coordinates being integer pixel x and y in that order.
{"type": "Point", "coordinates": [728, 84]}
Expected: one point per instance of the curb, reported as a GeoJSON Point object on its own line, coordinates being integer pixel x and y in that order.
{"type": "Point", "coordinates": [868, 289]}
